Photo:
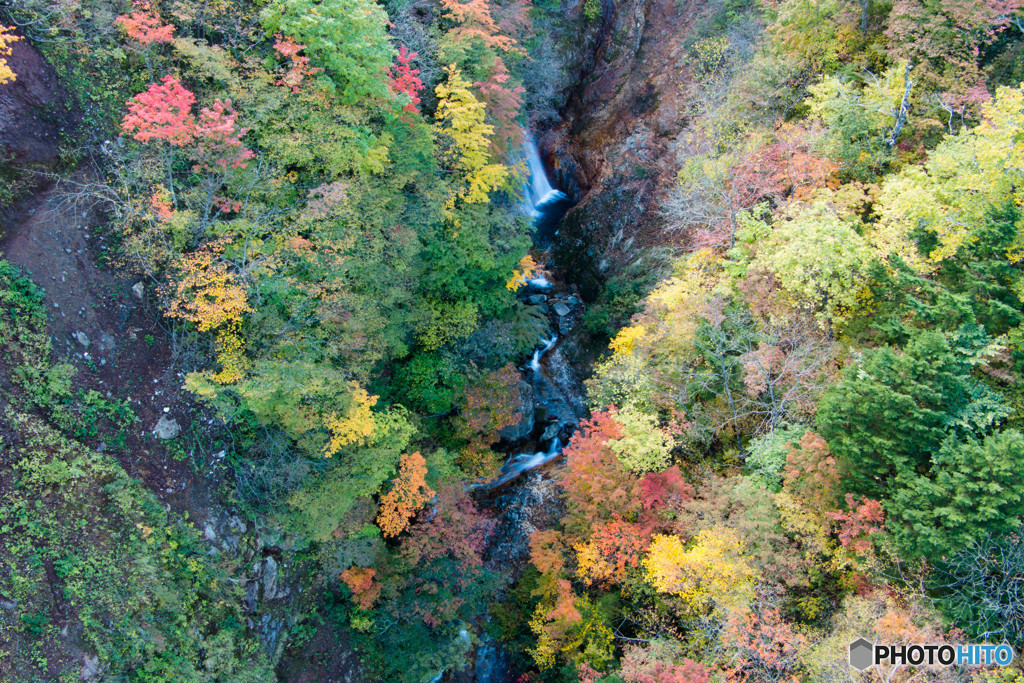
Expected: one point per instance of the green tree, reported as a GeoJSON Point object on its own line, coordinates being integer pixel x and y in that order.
{"type": "Point", "coordinates": [347, 37]}
{"type": "Point", "coordinates": [974, 486]}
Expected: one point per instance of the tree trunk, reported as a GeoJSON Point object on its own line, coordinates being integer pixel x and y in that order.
{"type": "Point", "coordinates": [901, 113]}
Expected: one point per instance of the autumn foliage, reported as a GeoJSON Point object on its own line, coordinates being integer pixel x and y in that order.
{"type": "Point", "coordinates": [163, 112]}
{"type": "Point", "coordinates": [405, 80]}
{"type": "Point", "coordinates": [360, 581]}
{"type": "Point", "coordinates": [144, 25]}
{"type": "Point", "coordinates": [409, 492]}
{"type": "Point", "coordinates": [6, 38]}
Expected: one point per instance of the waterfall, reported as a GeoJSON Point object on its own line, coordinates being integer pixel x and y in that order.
{"type": "Point", "coordinates": [540, 191]}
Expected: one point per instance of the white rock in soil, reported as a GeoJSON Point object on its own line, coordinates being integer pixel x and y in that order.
{"type": "Point", "coordinates": [166, 428]}
{"type": "Point", "coordinates": [81, 338]}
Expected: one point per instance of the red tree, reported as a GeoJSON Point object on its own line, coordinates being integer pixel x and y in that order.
{"type": "Point", "coordinates": [163, 112]}
{"type": "Point", "coordinates": [767, 646]}
{"type": "Point", "coordinates": [597, 488]}
{"type": "Point", "coordinates": [858, 524]}
{"type": "Point", "coordinates": [445, 552]}
{"type": "Point", "coordinates": [144, 25]}
{"type": "Point", "coordinates": [219, 138]}
{"type": "Point", "coordinates": [405, 80]}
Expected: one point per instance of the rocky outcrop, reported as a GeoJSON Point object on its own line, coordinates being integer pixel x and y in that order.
{"type": "Point", "coordinates": [521, 429]}
{"type": "Point", "coordinates": [615, 147]}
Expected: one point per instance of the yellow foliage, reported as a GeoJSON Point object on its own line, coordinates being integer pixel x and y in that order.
{"type": "Point", "coordinates": [523, 271]}
{"type": "Point", "coordinates": [6, 73]}
{"type": "Point", "coordinates": [230, 353]}
{"type": "Point", "coordinates": [461, 116]}
{"type": "Point", "coordinates": [355, 425]}
{"type": "Point", "coordinates": [208, 294]}
{"type": "Point", "coordinates": [711, 575]}
{"type": "Point", "coordinates": [627, 337]}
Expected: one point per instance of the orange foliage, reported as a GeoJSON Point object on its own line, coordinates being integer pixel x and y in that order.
{"type": "Point", "coordinates": [300, 68]}
{"type": "Point", "coordinates": [145, 26]}
{"type": "Point", "coordinates": [858, 524]}
{"type": "Point", "coordinates": [475, 21]}
{"type": "Point", "coordinates": [597, 487]}
{"type": "Point", "coordinates": [360, 581]}
{"type": "Point", "coordinates": [407, 495]}
{"type": "Point", "coordinates": [6, 73]}
{"type": "Point", "coordinates": [612, 548]}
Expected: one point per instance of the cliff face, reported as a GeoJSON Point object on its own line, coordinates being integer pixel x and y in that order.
{"type": "Point", "coordinates": [614, 150]}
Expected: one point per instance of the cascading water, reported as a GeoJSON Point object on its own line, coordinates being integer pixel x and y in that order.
{"type": "Point", "coordinates": [546, 205]}
{"type": "Point", "coordinates": [540, 191]}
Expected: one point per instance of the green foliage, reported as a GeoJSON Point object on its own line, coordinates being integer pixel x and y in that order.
{"type": "Point", "coordinates": [81, 538]}
{"type": "Point", "coordinates": [346, 37]}
{"type": "Point", "coordinates": [767, 456]}
{"type": "Point", "coordinates": [893, 410]}
{"type": "Point", "coordinates": [643, 446]}
{"type": "Point", "coordinates": [972, 485]}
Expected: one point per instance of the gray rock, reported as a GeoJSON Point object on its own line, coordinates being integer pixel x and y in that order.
{"type": "Point", "coordinates": [81, 338]}
{"type": "Point", "coordinates": [536, 299]}
{"type": "Point", "coordinates": [107, 342]}
{"type": "Point", "coordinates": [166, 428]}
{"type": "Point", "coordinates": [91, 668]}
{"type": "Point", "coordinates": [550, 432]}
{"type": "Point", "coordinates": [139, 290]}
{"type": "Point", "coordinates": [521, 429]}
{"type": "Point", "coordinates": [269, 579]}
{"type": "Point", "coordinates": [574, 301]}
{"type": "Point", "coordinates": [561, 309]}
{"type": "Point", "coordinates": [209, 533]}
{"type": "Point", "coordinates": [235, 522]}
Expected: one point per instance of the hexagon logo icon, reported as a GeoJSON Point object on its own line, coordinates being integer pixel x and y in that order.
{"type": "Point", "coordinates": [862, 654]}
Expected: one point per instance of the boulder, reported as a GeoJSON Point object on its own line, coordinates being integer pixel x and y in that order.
{"type": "Point", "coordinates": [166, 428]}
{"type": "Point", "coordinates": [561, 309]}
{"type": "Point", "coordinates": [536, 299]}
{"type": "Point", "coordinates": [521, 429]}
{"type": "Point", "coordinates": [81, 338]}
{"type": "Point", "coordinates": [270, 579]}
{"type": "Point", "coordinates": [139, 290]}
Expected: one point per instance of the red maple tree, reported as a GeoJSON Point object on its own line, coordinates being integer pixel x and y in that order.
{"type": "Point", "coordinates": [145, 26]}
{"type": "Point", "coordinates": [405, 80]}
{"type": "Point", "coordinates": [162, 112]}
{"type": "Point", "coordinates": [219, 138]}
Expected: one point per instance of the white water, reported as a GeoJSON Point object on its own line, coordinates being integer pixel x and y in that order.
{"type": "Point", "coordinates": [541, 284]}
{"type": "Point", "coordinates": [524, 462]}
{"type": "Point", "coordinates": [535, 361]}
{"type": "Point", "coordinates": [540, 191]}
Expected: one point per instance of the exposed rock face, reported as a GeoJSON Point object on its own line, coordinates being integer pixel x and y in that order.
{"type": "Point", "coordinates": [615, 148]}
{"type": "Point", "coordinates": [521, 429]}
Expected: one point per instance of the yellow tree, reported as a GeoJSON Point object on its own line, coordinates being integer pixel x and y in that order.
{"type": "Point", "coordinates": [966, 174]}
{"type": "Point", "coordinates": [208, 294]}
{"type": "Point", "coordinates": [461, 120]}
{"type": "Point", "coordinates": [353, 425]}
{"type": "Point", "coordinates": [713, 575]}
{"type": "Point", "coordinates": [6, 38]}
